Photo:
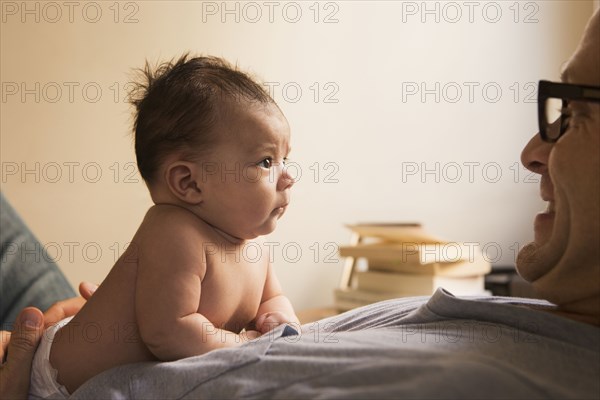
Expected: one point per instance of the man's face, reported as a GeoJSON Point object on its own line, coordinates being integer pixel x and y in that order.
{"type": "Point", "coordinates": [563, 262]}
{"type": "Point", "coordinates": [246, 187]}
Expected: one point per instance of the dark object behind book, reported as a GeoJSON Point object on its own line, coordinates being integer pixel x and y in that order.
{"type": "Point", "coordinates": [504, 281]}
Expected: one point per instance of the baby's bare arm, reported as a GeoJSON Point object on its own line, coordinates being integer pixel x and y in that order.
{"type": "Point", "coordinates": [275, 309]}
{"type": "Point", "coordinates": [171, 267]}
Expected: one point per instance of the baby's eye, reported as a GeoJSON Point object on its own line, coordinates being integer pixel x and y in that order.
{"type": "Point", "coordinates": [266, 163]}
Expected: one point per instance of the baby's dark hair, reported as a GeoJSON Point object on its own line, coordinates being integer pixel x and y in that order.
{"type": "Point", "coordinates": [177, 104]}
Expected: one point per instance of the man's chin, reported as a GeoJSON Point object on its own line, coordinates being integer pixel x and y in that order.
{"type": "Point", "coordinates": [529, 262]}
{"type": "Point", "coordinates": [537, 259]}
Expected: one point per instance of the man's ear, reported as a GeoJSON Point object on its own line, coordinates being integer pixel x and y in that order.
{"type": "Point", "coordinates": [182, 180]}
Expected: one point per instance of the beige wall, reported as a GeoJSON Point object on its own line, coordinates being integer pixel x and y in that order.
{"type": "Point", "coordinates": [362, 132]}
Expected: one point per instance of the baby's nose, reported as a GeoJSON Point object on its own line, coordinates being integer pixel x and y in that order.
{"type": "Point", "coordinates": [286, 181]}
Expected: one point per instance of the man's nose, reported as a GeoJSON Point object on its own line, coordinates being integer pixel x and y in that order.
{"type": "Point", "coordinates": [535, 155]}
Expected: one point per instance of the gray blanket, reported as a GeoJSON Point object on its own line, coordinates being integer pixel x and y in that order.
{"type": "Point", "coordinates": [438, 347]}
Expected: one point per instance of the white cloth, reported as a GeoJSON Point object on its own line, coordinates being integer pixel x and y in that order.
{"type": "Point", "coordinates": [43, 375]}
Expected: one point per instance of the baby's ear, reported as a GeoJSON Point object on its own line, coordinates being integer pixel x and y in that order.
{"type": "Point", "coordinates": [183, 181]}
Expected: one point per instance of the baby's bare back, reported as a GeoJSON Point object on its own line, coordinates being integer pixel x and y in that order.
{"type": "Point", "coordinates": [105, 333]}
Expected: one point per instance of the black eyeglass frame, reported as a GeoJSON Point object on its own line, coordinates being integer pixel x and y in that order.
{"type": "Point", "coordinates": [564, 91]}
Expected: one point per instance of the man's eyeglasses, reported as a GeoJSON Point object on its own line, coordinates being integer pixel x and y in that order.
{"type": "Point", "coordinates": [553, 101]}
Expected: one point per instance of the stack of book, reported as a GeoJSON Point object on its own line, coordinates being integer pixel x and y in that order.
{"type": "Point", "coordinates": [404, 260]}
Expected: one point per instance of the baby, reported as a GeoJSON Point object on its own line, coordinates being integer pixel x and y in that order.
{"type": "Point", "coordinates": [211, 145]}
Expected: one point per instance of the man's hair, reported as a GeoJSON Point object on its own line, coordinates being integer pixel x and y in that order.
{"type": "Point", "coordinates": [177, 104]}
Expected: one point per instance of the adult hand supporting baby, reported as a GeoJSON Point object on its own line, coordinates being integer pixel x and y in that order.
{"type": "Point", "coordinates": [69, 307]}
{"type": "Point", "coordinates": [14, 374]}
{"type": "Point", "coordinates": [23, 341]}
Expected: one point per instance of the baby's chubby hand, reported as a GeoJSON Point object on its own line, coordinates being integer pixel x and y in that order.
{"type": "Point", "coordinates": [248, 335]}
{"type": "Point", "coordinates": [271, 320]}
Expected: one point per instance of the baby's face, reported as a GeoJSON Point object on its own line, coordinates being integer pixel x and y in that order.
{"type": "Point", "coordinates": [246, 187]}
